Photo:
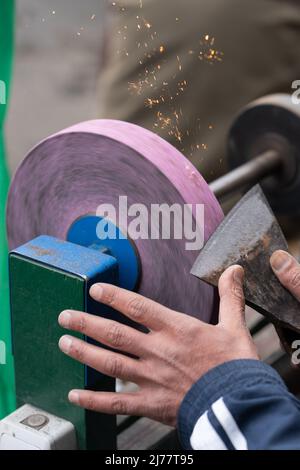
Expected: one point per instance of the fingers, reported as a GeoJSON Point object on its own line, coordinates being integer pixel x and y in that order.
{"type": "Point", "coordinates": [287, 270]}
{"type": "Point", "coordinates": [232, 300]}
{"type": "Point", "coordinates": [102, 360]}
{"type": "Point", "coordinates": [109, 402]}
{"type": "Point", "coordinates": [138, 308]}
{"type": "Point", "coordinates": [108, 332]}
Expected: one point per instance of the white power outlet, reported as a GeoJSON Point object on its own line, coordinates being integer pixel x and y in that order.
{"type": "Point", "coordinates": [30, 428]}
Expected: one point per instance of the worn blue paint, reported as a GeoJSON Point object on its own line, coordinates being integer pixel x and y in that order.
{"type": "Point", "coordinates": [67, 256]}
{"type": "Point", "coordinates": [84, 232]}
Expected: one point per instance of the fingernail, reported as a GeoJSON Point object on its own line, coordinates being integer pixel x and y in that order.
{"type": "Point", "coordinates": [65, 344]}
{"type": "Point", "coordinates": [238, 275]}
{"type": "Point", "coordinates": [96, 291]}
{"type": "Point", "coordinates": [64, 318]}
{"type": "Point", "coordinates": [280, 260]}
{"type": "Point", "coordinates": [74, 397]}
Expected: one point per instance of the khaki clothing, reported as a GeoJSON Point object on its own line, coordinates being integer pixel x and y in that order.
{"type": "Point", "coordinates": [257, 51]}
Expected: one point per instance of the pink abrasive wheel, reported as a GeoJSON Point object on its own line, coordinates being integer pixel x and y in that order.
{"type": "Point", "coordinates": [71, 173]}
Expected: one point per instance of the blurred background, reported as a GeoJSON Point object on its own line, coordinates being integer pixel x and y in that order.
{"type": "Point", "coordinates": [57, 63]}
{"type": "Point", "coordinates": [182, 68]}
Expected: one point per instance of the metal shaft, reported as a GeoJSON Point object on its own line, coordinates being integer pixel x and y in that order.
{"type": "Point", "coordinates": [251, 172]}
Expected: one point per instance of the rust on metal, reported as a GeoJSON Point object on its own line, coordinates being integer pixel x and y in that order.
{"type": "Point", "coordinates": [248, 236]}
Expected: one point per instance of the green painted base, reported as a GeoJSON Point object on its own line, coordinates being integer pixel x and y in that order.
{"type": "Point", "coordinates": [47, 276]}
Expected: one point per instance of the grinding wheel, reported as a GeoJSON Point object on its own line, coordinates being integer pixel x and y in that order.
{"type": "Point", "coordinates": [71, 173]}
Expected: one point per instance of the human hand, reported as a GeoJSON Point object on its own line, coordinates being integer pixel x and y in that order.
{"type": "Point", "coordinates": [287, 269]}
{"type": "Point", "coordinates": [168, 360]}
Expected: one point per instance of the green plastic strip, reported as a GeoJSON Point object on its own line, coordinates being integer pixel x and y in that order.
{"type": "Point", "coordinates": [7, 388]}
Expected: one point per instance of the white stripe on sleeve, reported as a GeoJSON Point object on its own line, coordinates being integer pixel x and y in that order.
{"type": "Point", "coordinates": [229, 425]}
{"type": "Point", "coordinates": [204, 436]}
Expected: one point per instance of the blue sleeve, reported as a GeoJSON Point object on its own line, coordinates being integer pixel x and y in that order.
{"type": "Point", "coordinates": [240, 405]}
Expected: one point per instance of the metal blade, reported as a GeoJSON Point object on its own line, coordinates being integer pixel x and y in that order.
{"type": "Point", "coordinates": [248, 236]}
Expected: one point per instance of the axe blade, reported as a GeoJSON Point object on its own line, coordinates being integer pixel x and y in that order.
{"type": "Point", "coordinates": [248, 236]}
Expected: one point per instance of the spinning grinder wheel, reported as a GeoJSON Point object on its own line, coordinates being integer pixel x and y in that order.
{"type": "Point", "coordinates": [68, 175]}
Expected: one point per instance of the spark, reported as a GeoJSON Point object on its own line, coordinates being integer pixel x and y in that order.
{"type": "Point", "coordinates": [150, 102]}
{"type": "Point", "coordinates": [136, 87]}
{"type": "Point", "coordinates": [93, 16]}
{"type": "Point", "coordinates": [163, 120]}
{"type": "Point", "coordinates": [208, 52]}
{"type": "Point", "coordinates": [178, 134]}
{"type": "Point", "coordinates": [161, 49]}
{"type": "Point", "coordinates": [179, 64]}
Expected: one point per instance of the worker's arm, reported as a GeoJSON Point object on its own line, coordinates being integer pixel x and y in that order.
{"type": "Point", "coordinates": [240, 405]}
{"type": "Point", "coordinates": [206, 377]}
{"type": "Point", "coordinates": [244, 404]}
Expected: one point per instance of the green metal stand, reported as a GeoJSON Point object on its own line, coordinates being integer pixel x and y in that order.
{"type": "Point", "coordinates": [7, 391]}
{"type": "Point", "coordinates": [47, 276]}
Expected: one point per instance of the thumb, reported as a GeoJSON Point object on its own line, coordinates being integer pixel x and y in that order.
{"type": "Point", "coordinates": [287, 270]}
{"type": "Point", "coordinates": [232, 299]}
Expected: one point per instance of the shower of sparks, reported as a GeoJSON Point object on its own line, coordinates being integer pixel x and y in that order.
{"type": "Point", "coordinates": [162, 97]}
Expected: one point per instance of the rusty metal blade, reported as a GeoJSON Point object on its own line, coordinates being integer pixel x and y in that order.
{"type": "Point", "coordinates": [248, 236]}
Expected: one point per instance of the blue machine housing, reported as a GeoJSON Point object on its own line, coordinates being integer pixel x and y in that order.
{"type": "Point", "coordinates": [100, 234]}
